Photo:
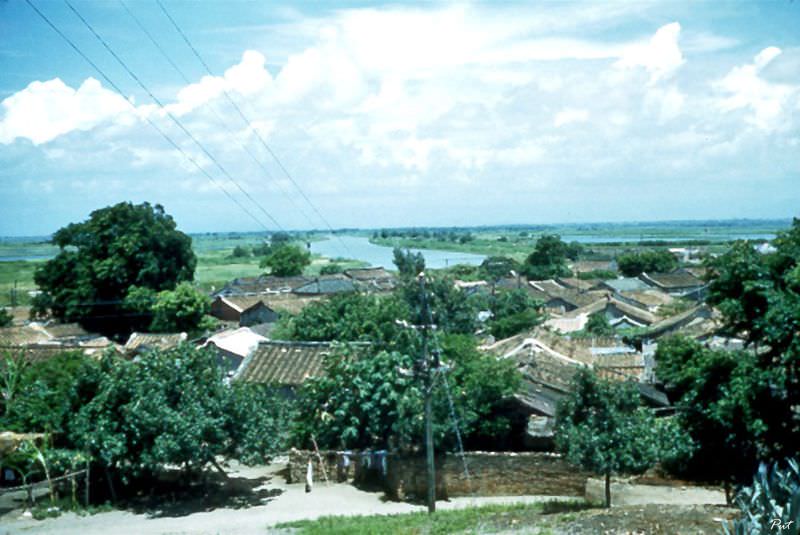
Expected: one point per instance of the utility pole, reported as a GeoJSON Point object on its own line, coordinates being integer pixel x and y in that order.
{"type": "Point", "coordinates": [429, 365]}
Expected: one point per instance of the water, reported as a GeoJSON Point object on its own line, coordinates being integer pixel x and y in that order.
{"type": "Point", "coordinates": [378, 255]}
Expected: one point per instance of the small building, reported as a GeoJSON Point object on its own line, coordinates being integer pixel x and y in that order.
{"type": "Point", "coordinates": [139, 343]}
{"type": "Point", "coordinates": [245, 310]}
{"type": "Point", "coordinates": [284, 364]}
{"type": "Point", "coordinates": [625, 284]}
{"type": "Point", "coordinates": [261, 285]}
{"type": "Point", "coordinates": [677, 283]}
{"type": "Point", "coordinates": [326, 285]}
{"type": "Point", "coordinates": [234, 346]}
{"type": "Point", "coordinates": [372, 279]}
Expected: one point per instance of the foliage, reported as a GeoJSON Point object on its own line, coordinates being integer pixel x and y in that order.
{"type": "Point", "coordinates": [370, 398]}
{"type": "Point", "coordinates": [259, 422]}
{"type": "Point", "coordinates": [100, 259]}
{"type": "Point", "coordinates": [180, 310]}
{"type": "Point", "coordinates": [498, 267]}
{"type": "Point", "coordinates": [286, 260]}
{"type": "Point", "coordinates": [771, 504]}
{"type": "Point", "coordinates": [6, 318]}
{"type": "Point", "coordinates": [598, 325]}
{"type": "Point", "coordinates": [168, 408]}
{"type": "Point", "coordinates": [633, 263]}
{"type": "Point", "coordinates": [183, 309]}
{"type": "Point", "coordinates": [240, 252]}
{"type": "Point", "coordinates": [548, 259]}
{"type": "Point", "coordinates": [743, 404]}
{"type": "Point", "coordinates": [44, 396]}
{"type": "Point", "coordinates": [716, 394]}
{"type": "Point", "coordinates": [408, 264]}
{"type": "Point", "coordinates": [514, 311]}
{"type": "Point", "coordinates": [603, 428]}
{"type": "Point", "coordinates": [603, 274]}
{"type": "Point", "coordinates": [350, 318]}
{"type": "Point", "coordinates": [451, 310]}
{"type": "Point", "coordinates": [331, 269]}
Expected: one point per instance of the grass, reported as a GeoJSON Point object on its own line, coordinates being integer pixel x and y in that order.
{"type": "Point", "coordinates": [484, 519]}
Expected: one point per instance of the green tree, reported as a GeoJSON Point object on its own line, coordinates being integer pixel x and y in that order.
{"type": "Point", "coordinates": [548, 259]}
{"type": "Point", "coordinates": [331, 269]}
{"type": "Point", "coordinates": [100, 259]}
{"type": "Point", "coordinates": [514, 311]}
{"type": "Point", "coordinates": [240, 252]}
{"type": "Point", "coordinates": [498, 267]}
{"type": "Point", "coordinates": [370, 399]}
{"type": "Point", "coordinates": [598, 325]}
{"type": "Point", "coordinates": [603, 428]}
{"type": "Point", "coordinates": [286, 261]}
{"type": "Point", "coordinates": [183, 309]}
{"type": "Point", "coordinates": [634, 263]}
{"type": "Point", "coordinates": [408, 264]}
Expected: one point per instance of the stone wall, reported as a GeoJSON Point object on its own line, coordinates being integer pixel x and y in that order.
{"type": "Point", "coordinates": [490, 474]}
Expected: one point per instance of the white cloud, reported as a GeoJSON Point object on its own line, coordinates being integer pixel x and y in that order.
{"type": "Point", "coordinates": [45, 110]}
{"type": "Point", "coordinates": [743, 88]}
{"type": "Point", "coordinates": [569, 116]}
{"type": "Point", "coordinates": [661, 56]}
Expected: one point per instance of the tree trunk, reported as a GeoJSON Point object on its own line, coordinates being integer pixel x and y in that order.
{"type": "Point", "coordinates": [728, 498]}
{"type": "Point", "coordinates": [608, 489]}
{"type": "Point", "coordinates": [110, 485]}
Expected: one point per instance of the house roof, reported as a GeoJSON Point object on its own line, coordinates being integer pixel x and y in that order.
{"type": "Point", "coordinates": [325, 286]}
{"type": "Point", "coordinates": [592, 265]}
{"type": "Point", "coordinates": [675, 280]}
{"type": "Point", "coordinates": [289, 302]}
{"type": "Point", "coordinates": [240, 303]}
{"type": "Point", "coordinates": [550, 290]}
{"type": "Point", "coordinates": [681, 321]}
{"type": "Point", "coordinates": [578, 284]}
{"type": "Point", "coordinates": [46, 351]}
{"type": "Point", "coordinates": [626, 284]}
{"type": "Point", "coordinates": [22, 335]}
{"type": "Point", "coordinates": [286, 363]}
{"type": "Point", "coordinates": [371, 273]}
{"type": "Point", "coordinates": [648, 298]}
{"type": "Point", "coordinates": [633, 312]}
{"type": "Point", "coordinates": [262, 284]}
{"type": "Point", "coordinates": [240, 342]}
{"type": "Point", "coordinates": [146, 341]}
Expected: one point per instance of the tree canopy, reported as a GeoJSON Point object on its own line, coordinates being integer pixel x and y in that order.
{"type": "Point", "coordinates": [286, 260]}
{"type": "Point", "coordinates": [408, 264]}
{"type": "Point", "coordinates": [549, 258]}
{"type": "Point", "coordinates": [118, 247]}
{"type": "Point", "coordinates": [635, 263]}
{"type": "Point", "coordinates": [603, 428]}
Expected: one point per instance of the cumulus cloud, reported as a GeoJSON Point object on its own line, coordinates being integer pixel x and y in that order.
{"type": "Point", "coordinates": [45, 110]}
{"type": "Point", "coordinates": [660, 56]}
{"type": "Point", "coordinates": [570, 116]}
{"type": "Point", "coordinates": [743, 88]}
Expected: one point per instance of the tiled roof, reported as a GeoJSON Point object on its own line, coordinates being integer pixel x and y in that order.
{"type": "Point", "coordinates": [285, 363]}
{"type": "Point", "coordinates": [144, 341]}
{"type": "Point", "coordinates": [41, 352]}
{"type": "Point", "coordinates": [289, 302]}
{"type": "Point", "coordinates": [325, 286]}
{"type": "Point", "coordinates": [675, 280]}
{"type": "Point", "coordinates": [66, 330]}
{"type": "Point", "coordinates": [578, 284]}
{"type": "Point", "coordinates": [240, 303]}
{"type": "Point", "coordinates": [261, 285]}
{"type": "Point", "coordinates": [22, 335]}
{"type": "Point", "coordinates": [681, 321]}
{"type": "Point", "coordinates": [648, 298]}
{"type": "Point", "coordinates": [373, 273]}
{"type": "Point", "coordinates": [633, 312]}
{"type": "Point", "coordinates": [626, 284]}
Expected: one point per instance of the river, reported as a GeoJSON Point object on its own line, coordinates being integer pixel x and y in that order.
{"type": "Point", "coordinates": [378, 255]}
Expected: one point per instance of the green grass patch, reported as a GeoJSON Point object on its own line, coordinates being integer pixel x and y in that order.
{"type": "Point", "coordinates": [484, 519]}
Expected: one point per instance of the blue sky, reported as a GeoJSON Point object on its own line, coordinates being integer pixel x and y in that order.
{"type": "Point", "coordinates": [404, 114]}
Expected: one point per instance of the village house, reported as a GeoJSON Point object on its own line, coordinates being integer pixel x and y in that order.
{"type": "Point", "coordinates": [285, 365]}
{"type": "Point", "coordinates": [326, 285]}
{"type": "Point", "coordinates": [245, 310]}
{"type": "Point", "coordinates": [261, 285]}
{"type": "Point", "coordinates": [39, 341]}
{"type": "Point", "coordinates": [372, 279]}
{"type": "Point", "coordinates": [625, 284]}
{"type": "Point", "coordinates": [559, 299]}
{"type": "Point", "coordinates": [139, 343]}
{"type": "Point", "coordinates": [233, 346]}
{"type": "Point", "coordinates": [679, 283]}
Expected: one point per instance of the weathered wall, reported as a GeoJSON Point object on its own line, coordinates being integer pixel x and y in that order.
{"type": "Point", "coordinates": [490, 474]}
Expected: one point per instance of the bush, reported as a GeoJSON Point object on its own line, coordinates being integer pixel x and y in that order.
{"type": "Point", "coordinates": [632, 264]}
{"type": "Point", "coordinates": [240, 252]}
{"type": "Point", "coordinates": [6, 319]}
{"type": "Point", "coordinates": [331, 269]}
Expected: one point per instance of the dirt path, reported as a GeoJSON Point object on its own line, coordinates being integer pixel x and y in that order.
{"type": "Point", "coordinates": [293, 503]}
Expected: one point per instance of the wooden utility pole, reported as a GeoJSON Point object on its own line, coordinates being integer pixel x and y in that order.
{"type": "Point", "coordinates": [427, 370]}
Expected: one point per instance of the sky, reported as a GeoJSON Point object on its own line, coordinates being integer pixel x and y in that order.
{"type": "Point", "coordinates": [321, 114]}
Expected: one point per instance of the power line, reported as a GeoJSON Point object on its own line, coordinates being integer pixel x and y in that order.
{"type": "Point", "coordinates": [170, 114]}
{"type": "Point", "coordinates": [116, 88]}
{"type": "Point", "coordinates": [219, 118]}
{"type": "Point", "coordinates": [254, 130]}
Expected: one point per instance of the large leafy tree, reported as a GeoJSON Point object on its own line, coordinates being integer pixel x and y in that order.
{"type": "Point", "coordinates": [408, 264]}
{"type": "Point", "coordinates": [101, 258]}
{"type": "Point", "coordinates": [183, 309]}
{"type": "Point", "coordinates": [549, 258]}
{"type": "Point", "coordinates": [286, 260]}
{"type": "Point", "coordinates": [742, 407]}
{"type": "Point", "coordinates": [603, 428]}
{"type": "Point", "coordinates": [370, 398]}
{"type": "Point", "coordinates": [633, 263]}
